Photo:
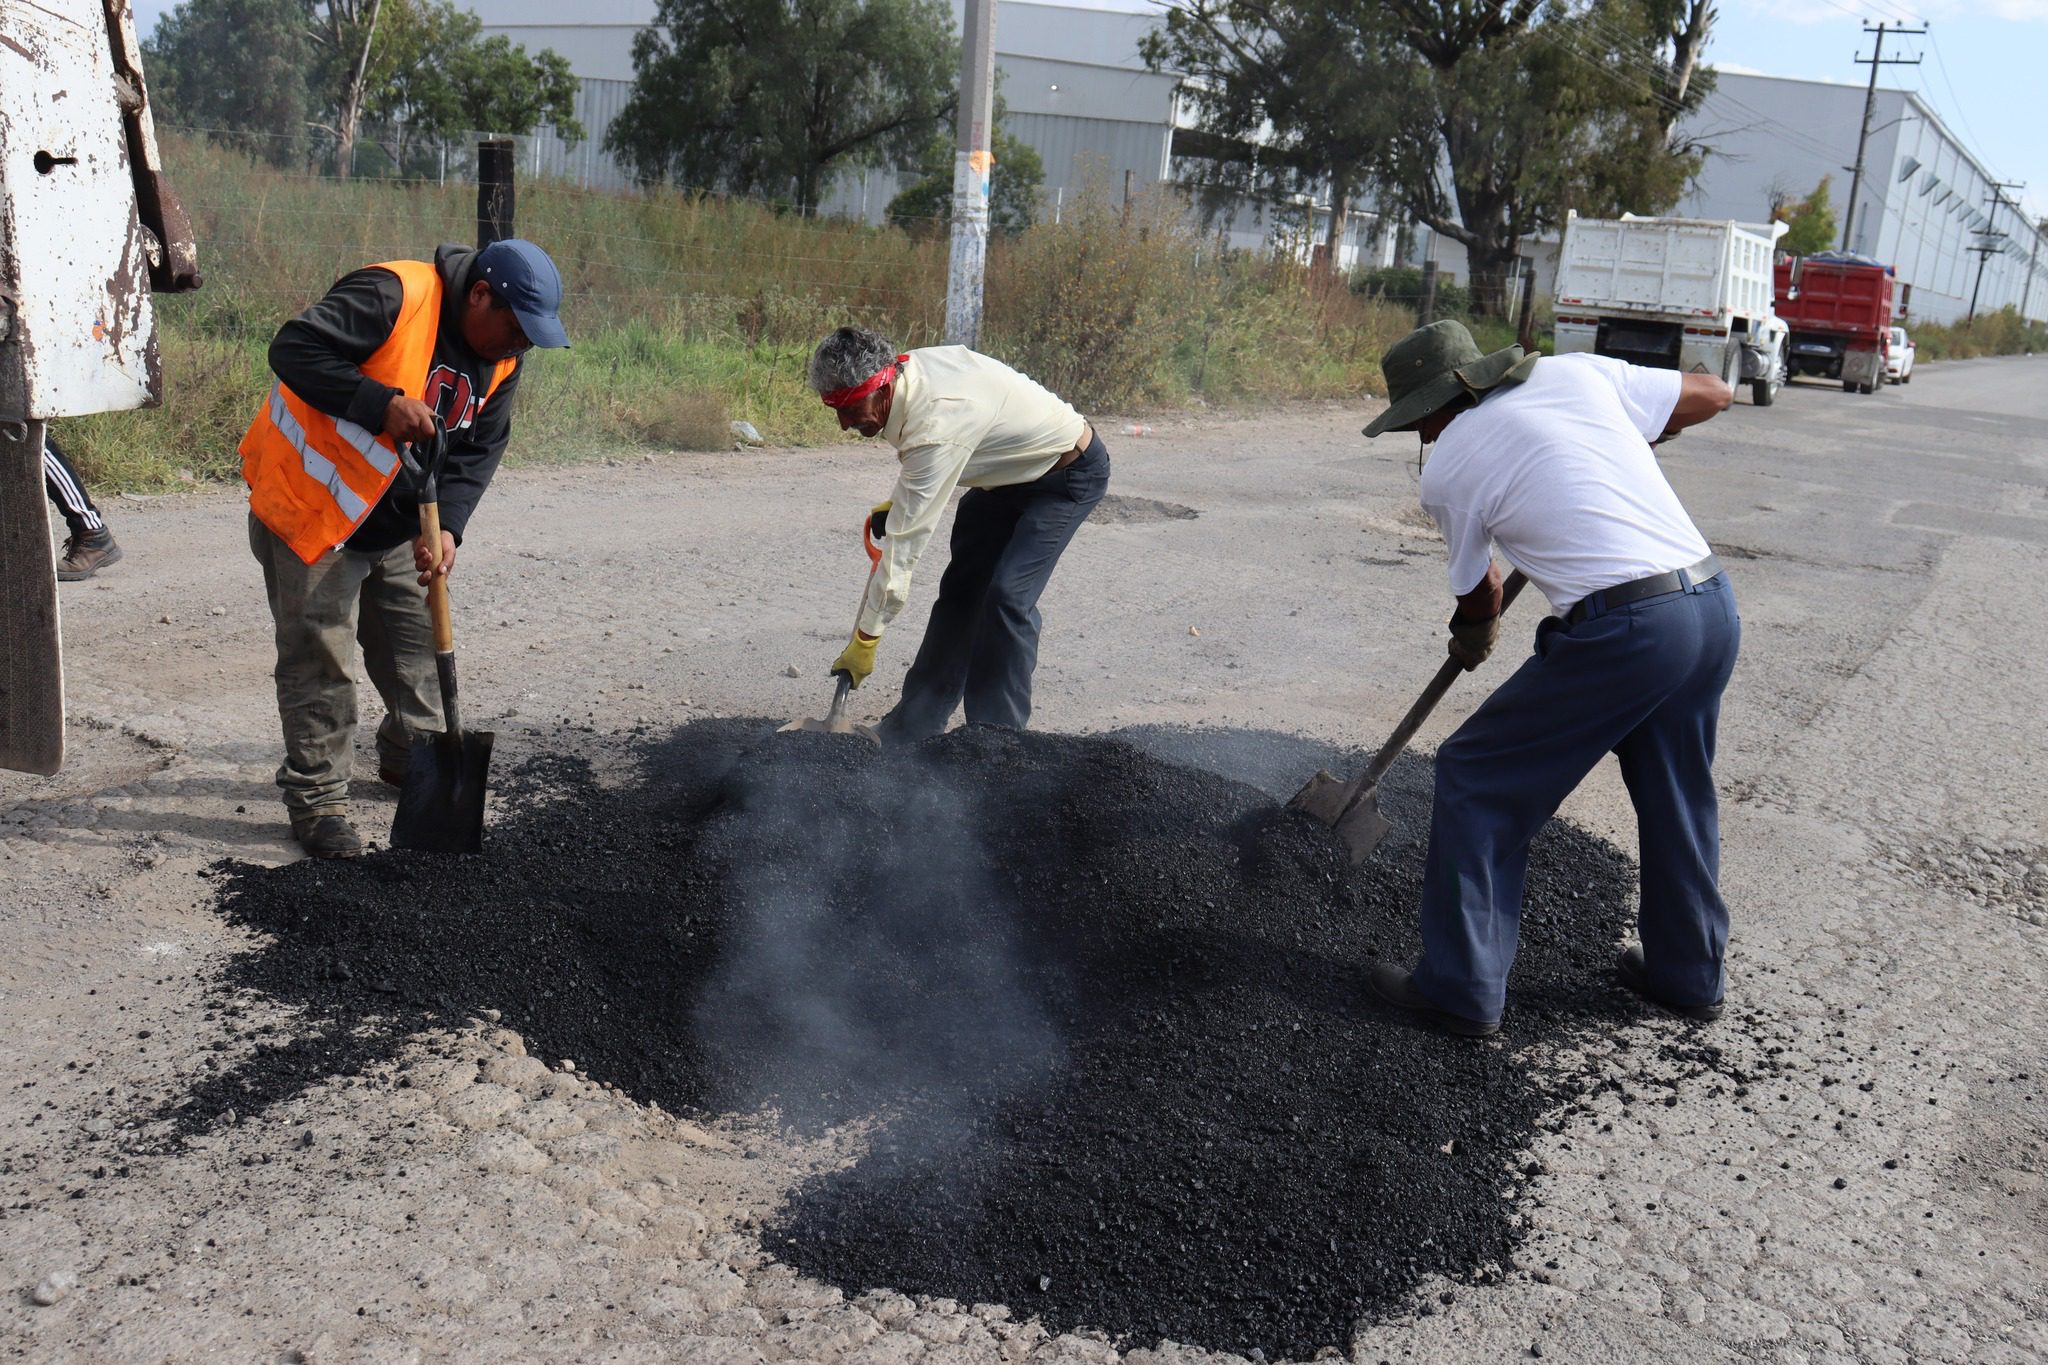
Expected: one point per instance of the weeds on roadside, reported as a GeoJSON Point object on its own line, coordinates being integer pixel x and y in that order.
{"type": "Point", "coordinates": [689, 311]}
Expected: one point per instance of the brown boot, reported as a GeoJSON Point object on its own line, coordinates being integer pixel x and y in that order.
{"type": "Point", "coordinates": [327, 836]}
{"type": "Point", "coordinates": [86, 553]}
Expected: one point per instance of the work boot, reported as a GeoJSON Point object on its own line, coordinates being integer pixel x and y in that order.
{"type": "Point", "coordinates": [86, 553]}
{"type": "Point", "coordinates": [1635, 974]}
{"type": "Point", "coordinates": [1397, 988]}
{"type": "Point", "coordinates": [327, 836]}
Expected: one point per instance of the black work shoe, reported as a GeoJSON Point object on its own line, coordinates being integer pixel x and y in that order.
{"type": "Point", "coordinates": [327, 836]}
{"type": "Point", "coordinates": [86, 554]}
{"type": "Point", "coordinates": [1636, 976]}
{"type": "Point", "coordinates": [1397, 988]}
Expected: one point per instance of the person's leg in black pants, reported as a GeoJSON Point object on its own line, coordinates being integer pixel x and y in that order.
{"type": "Point", "coordinates": [938, 676]}
{"type": "Point", "coordinates": [1006, 645]}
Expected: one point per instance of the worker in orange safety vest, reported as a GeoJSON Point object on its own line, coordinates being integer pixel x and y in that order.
{"type": "Point", "coordinates": [389, 350]}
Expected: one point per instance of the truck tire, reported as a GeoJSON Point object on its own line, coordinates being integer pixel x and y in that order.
{"type": "Point", "coordinates": [1849, 386]}
{"type": "Point", "coordinates": [1761, 393]}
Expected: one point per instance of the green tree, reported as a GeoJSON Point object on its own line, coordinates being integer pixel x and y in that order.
{"type": "Point", "coordinates": [1811, 221]}
{"type": "Point", "coordinates": [236, 68]}
{"type": "Point", "coordinates": [1289, 97]}
{"type": "Point", "coordinates": [777, 96]}
{"type": "Point", "coordinates": [1013, 184]}
{"type": "Point", "coordinates": [432, 75]}
{"type": "Point", "coordinates": [1514, 112]}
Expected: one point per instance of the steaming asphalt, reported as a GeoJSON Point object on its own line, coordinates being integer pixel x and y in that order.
{"type": "Point", "coordinates": [1880, 1198]}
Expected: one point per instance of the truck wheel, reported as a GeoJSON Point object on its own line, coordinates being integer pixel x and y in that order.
{"type": "Point", "coordinates": [1761, 393]}
{"type": "Point", "coordinates": [1849, 386]}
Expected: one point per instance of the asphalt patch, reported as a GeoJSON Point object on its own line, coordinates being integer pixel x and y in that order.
{"type": "Point", "coordinates": [1107, 1001]}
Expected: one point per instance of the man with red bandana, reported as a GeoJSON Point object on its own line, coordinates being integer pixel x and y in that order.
{"type": "Point", "coordinates": [1034, 469]}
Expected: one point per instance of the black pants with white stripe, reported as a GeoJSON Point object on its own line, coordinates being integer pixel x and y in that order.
{"type": "Point", "coordinates": [67, 490]}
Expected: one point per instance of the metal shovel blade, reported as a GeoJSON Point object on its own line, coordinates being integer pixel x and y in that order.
{"type": "Point", "coordinates": [836, 721]}
{"type": "Point", "coordinates": [1353, 814]}
{"type": "Point", "coordinates": [1324, 798]}
{"type": "Point", "coordinates": [441, 805]}
{"type": "Point", "coordinates": [1361, 828]}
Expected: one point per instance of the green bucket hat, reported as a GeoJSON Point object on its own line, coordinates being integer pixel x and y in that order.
{"type": "Point", "coordinates": [1433, 365]}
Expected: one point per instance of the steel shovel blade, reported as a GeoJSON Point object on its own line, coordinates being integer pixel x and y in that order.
{"type": "Point", "coordinates": [441, 805]}
{"type": "Point", "coordinates": [1324, 798]}
{"type": "Point", "coordinates": [1362, 827]}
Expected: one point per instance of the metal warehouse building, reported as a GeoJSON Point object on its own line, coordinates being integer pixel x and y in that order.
{"type": "Point", "coordinates": [1078, 92]}
{"type": "Point", "coordinates": [1074, 85]}
{"type": "Point", "coordinates": [1923, 203]}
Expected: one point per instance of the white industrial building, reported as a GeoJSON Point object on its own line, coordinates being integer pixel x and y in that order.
{"type": "Point", "coordinates": [1072, 81]}
{"type": "Point", "coordinates": [1078, 92]}
{"type": "Point", "coordinates": [1923, 203]}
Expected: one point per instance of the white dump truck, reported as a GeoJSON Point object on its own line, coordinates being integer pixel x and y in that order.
{"type": "Point", "coordinates": [1674, 293]}
{"type": "Point", "coordinates": [89, 234]}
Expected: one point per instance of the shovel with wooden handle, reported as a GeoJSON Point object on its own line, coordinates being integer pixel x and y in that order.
{"type": "Point", "coordinates": [1352, 809]}
{"type": "Point", "coordinates": [441, 805]}
{"type": "Point", "coordinates": [836, 721]}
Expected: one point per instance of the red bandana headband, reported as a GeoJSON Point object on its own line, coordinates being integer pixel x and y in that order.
{"type": "Point", "coordinates": [846, 398]}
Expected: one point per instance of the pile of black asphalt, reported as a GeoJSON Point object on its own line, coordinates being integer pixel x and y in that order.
{"type": "Point", "coordinates": [1104, 1004]}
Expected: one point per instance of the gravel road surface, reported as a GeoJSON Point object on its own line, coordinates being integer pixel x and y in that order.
{"type": "Point", "coordinates": [1879, 1198]}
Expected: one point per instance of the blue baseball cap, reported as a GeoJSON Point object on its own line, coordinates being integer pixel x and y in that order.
{"type": "Point", "coordinates": [521, 274]}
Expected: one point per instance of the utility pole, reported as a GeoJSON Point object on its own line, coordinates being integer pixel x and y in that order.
{"type": "Point", "coordinates": [1873, 61]}
{"type": "Point", "coordinates": [2033, 256]}
{"type": "Point", "coordinates": [1998, 188]}
{"type": "Point", "coordinates": [972, 162]}
{"type": "Point", "coordinates": [1984, 250]}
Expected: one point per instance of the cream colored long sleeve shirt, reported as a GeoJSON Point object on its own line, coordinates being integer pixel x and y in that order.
{"type": "Point", "coordinates": [957, 419]}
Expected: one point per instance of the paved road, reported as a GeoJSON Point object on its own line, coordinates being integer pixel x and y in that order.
{"type": "Point", "coordinates": [1879, 1198]}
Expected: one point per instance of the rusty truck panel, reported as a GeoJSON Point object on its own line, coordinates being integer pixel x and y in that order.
{"type": "Point", "coordinates": [75, 259]}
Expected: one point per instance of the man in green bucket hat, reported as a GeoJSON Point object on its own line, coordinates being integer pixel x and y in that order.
{"type": "Point", "coordinates": [1549, 459]}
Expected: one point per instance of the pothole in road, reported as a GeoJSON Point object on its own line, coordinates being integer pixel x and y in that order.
{"type": "Point", "coordinates": [1117, 509]}
{"type": "Point", "coordinates": [1110, 1009]}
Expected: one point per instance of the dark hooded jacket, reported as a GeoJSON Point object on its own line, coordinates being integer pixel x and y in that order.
{"type": "Point", "coordinates": [319, 356]}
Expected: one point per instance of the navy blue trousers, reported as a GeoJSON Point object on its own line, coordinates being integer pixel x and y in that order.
{"type": "Point", "coordinates": [981, 644]}
{"type": "Point", "coordinates": [1642, 680]}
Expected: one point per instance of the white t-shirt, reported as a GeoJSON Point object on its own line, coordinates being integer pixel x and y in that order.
{"type": "Point", "coordinates": [1559, 473]}
{"type": "Point", "coordinates": [958, 420]}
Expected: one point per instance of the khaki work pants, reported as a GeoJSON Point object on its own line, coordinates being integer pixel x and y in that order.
{"type": "Point", "coordinates": [323, 611]}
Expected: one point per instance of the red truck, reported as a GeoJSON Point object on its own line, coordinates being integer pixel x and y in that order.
{"type": "Point", "coordinates": [1839, 309]}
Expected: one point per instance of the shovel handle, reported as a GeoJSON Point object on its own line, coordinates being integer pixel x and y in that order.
{"type": "Point", "coordinates": [437, 586]}
{"type": "Point", "coordinates": [1426, 703]}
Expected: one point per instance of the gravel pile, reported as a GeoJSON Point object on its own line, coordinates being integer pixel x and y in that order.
{"type": "Point", "coordinates": [1110, 1005]}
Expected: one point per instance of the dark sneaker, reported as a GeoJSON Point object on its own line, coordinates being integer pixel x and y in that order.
{"type": "Point", "coordinates": [1636, 976]}
{"type": "Point", "coordinates": [1397, 988]}
{"type": "Point", "coordinates": [327, 836]}
{"type": "Point", "coordinates": [86, 554]}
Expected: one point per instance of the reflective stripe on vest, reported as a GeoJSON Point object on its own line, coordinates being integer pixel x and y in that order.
{"type": "Point", "coordinates": [313, 477]}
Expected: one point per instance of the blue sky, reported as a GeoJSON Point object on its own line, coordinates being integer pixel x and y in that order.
{"type": "Point", "coordinates": [1981, 62]}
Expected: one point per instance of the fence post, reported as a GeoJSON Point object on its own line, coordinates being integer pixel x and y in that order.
{"type": "Point", "coordinates": [1428, 292]}
{"type": "Point", "coordinates": [1524, 330]}
{"type": "Point", "coordinates": [493, 190]}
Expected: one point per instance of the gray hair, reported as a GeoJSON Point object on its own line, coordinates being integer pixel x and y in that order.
{"type": "Point", "coordinates": [848, 357]}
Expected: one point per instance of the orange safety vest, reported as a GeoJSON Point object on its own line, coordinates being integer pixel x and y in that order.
{"type": "Point", "coordinates": [313, 478]}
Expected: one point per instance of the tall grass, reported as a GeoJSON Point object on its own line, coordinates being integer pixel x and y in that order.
{"type": "Point", "coordinates": [2001, 333]}
{"type": "Point", "coordinates": [690, 311]}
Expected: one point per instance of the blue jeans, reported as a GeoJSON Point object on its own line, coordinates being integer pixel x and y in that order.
{"type": "Point", "coordinates": [1643, 680]}
{"type": "Point", "coordinates": [981, 644]}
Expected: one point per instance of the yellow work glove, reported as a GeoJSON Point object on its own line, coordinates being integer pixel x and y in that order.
{"type": "Point", "coordinates": [878, 519]}
{"type": "Point", "coordinates": [857, 660]}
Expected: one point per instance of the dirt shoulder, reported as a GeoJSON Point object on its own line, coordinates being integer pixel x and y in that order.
{"type": "Point", "coordinates": [1885, 828]}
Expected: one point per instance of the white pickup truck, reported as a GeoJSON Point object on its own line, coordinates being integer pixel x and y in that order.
{"type": "Point", "coordinates": [1674, 293]}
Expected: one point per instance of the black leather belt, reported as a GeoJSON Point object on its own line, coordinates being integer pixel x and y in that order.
{"type": "Point", "coordinates": [1656, 585]}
